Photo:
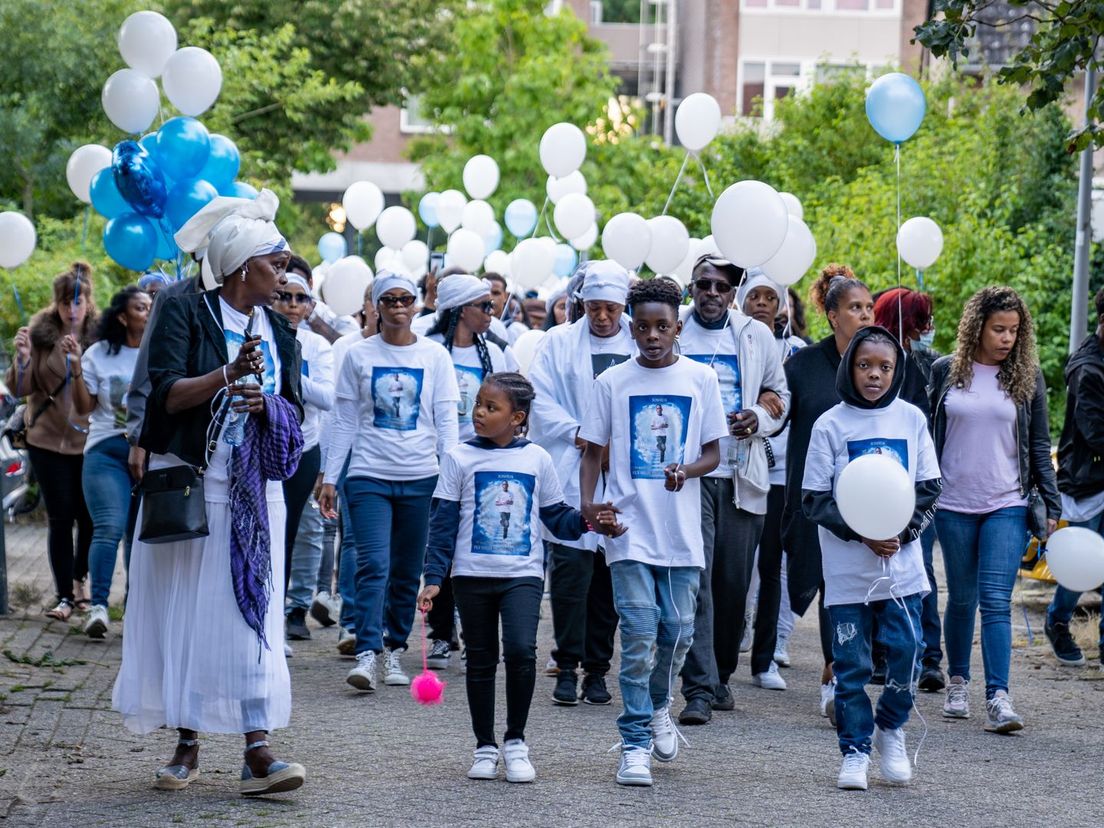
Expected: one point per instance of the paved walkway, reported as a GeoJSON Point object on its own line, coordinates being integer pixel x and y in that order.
{"type": "Point", "coordinates": [382, 760]}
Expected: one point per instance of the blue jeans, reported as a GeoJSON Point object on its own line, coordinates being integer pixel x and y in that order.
{"type": "Point", "coordinates": [107, 484]}
{"type": "Point", "coordinates": [1065, 600]}
{"type": "Point", "coordinates": [899, 631]}
{"type": "Point", "coordinates": [929, 617]}
{"type": "Point", "coordinates": [346, 560]}
{"type": "Point", "coordinates": [305, 558]}
{"type": "Point", "coordinates": [981, 554]}
{"type": "Point", "coordinates": [391, 525]}
{"type": "Point", "coordinates": [656, 605]}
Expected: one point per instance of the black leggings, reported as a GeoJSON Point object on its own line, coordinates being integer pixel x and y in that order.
{"type": "Point", "coordinates": [297, 490]}
{"type": "Point", "coordinates": [59, 478]}
{"type": "Point", "coordinates": [482, 601]}
{"type": "Point", "coordinates": [442, 618]}
{"type": "Point", "coordinates": [770, 583]}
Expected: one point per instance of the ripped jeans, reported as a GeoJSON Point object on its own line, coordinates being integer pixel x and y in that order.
{"type": "Point", "coordinates": [900, 633]}
{"type": "Point", "coordinates": [656, 605]}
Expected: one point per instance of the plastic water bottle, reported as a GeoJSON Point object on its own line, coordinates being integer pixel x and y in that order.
{"type": "Point", "coordinates": [234, 431]}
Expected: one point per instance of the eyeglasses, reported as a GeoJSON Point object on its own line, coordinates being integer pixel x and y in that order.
{"type": "Point", "coordinates": [721, 286]}
{"type": "Point", "coordinates": [294, 298]}
{"type": "Point", "coordinates": [485, 307]}
{"type": "Point", "coordinates": [403, 301]}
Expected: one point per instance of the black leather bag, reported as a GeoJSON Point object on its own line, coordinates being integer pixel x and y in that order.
{"type": "Point", "coordinates": [173, 506]}
{"type": "Point", "coordinates": [1036, 514]}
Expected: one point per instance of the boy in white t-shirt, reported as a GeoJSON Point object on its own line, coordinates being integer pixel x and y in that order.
{"type": "Point", "coordinates": [655, 564]}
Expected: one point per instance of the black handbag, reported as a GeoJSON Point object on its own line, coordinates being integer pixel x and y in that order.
{"type": "Point", "coordinates": [173, 506]}
{"type": "Point", "coordinates": [1036, 514]}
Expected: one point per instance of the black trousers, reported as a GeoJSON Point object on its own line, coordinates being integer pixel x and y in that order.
{"type": "Point", "coordinates": [770, 583]}
{"type": "Point", "coordinates": [59, 477]}
{"type": "Point", "coordinates": [442, 618]}
{"type": "Point", "coordinates": [482, 603]}
{"type": "Point", "coordinates": [297, 490]}
{"type": "Point", "coordinates": [583, 616]}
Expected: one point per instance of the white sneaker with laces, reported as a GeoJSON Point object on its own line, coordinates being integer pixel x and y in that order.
{"type": "Point", "coordinates": [893, 754]}
{"type": "Point", "coordinates": [518, 766]}
{"type": "Point", "coordinates": [852, 775]}
{"type": "Point", "coordinates": [1000, 717]}
{"type": "Point", "coordinates": [782, 651]}
{"type": "Point", "coordinates": [957, 703]}
{"type": "Point", "coordinates": [97, 624]}
{"type": "Point", "coordinates": [635, 767]}
{"type": "Point", "coordinates": [664, 735]}
{"type": "Point", "coordinates": [346, 642]}
{"type": "Point", "coordinates": [770, 680]}
{"type": "Point", "coordinates": [363, 676]}
{"type": "Point", "coordinates": [828, 700]}
{"type": "Point", "coordinates": [326, 608]}
{"type": "Point", "coordinates": [288, 652]}
{"type": "Point", "coordinates": [485, 763]}
{"type": "Point", "coordinates": [393, 672]}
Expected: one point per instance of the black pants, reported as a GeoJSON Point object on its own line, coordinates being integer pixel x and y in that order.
{"type": "Point", "coordinates": [59, 477]}
{"type": "Point", "coordinates": [442, 618]}
{"type": "Point", "coordinates": [297, 490]}
{"type": "Point", "coordinates": [770, 583]}
{"type": "Point", "coordinates": [583, 617]}
{"type": "Point", "coordinates": [482, 602]}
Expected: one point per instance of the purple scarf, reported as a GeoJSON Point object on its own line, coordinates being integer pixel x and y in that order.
{"type": "Point", "coordinates": [270, 451]}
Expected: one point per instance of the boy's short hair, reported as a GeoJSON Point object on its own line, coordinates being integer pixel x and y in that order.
{"type": "Point", "coordinates": [496, 277]}
{"type": "Point", "coordinates": [301, 266]}
{"type": "Point", "coordinates": [662, 291]}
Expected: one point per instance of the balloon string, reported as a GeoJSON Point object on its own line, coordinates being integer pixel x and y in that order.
{"type": "Point", "coordinates": [920, 280]}
{"type": "Point", "coordinates": [551, 232]}
{"type": "Point", "coordinates": [900, 312]}
{"type": "Point", "coordinates": [536, 226]}
{"type": "Point", "coordinates": [678, 178]}
{"type": "Point", "coordinates": [705, 174]}
{"type": "Point", "coordinates": [360, 243]}
{"type": "Point", "coordinates": [84, 232]}
{"type": "Point", "coordinates": [18, 300]}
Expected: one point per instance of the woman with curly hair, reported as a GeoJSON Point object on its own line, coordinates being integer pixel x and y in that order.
{"type": "Point", "coordinates": [989, 420]}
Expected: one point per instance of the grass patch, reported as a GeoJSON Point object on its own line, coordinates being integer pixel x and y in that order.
{"type": "Point", "coordinates": [47, 659]}
{"type": "Point", "coordinates": [1086, 631]}
{"type": "Point", "coordinates": [24, 596]}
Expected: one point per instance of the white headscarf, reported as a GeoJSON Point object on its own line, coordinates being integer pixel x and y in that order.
{"type": "Point", "coordinates": [756, 278]}
{"type": "Point", "coordinates": [386, 280]}
{"type": "Point", "coordinates": [460, 289]}
{"type": "Point", "coordinates": [605, 281]}
{"type": "Point", "coordinates": [228, 232]}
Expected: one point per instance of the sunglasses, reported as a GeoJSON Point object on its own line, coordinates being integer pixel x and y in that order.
{"type": "Point", "coordinates": [721, 286]}
{"type": "Point", "coordinates": [485, 307]}
{"type": "Point", "coordinates": [294, 298]}
{"type": "Point", "coordinates": [404, 301]}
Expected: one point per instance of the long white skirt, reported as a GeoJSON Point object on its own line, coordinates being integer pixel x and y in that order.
{"type": "Point", "coordinates": [189, 659]}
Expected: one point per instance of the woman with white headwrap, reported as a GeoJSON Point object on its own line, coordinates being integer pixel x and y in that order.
{"type": "Point", "coordinates": [202, 646]}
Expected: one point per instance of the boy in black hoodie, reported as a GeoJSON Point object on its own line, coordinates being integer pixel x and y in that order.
{"type": "Point", "coordinates": [868, 580]}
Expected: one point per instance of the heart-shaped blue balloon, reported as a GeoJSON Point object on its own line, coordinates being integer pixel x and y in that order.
{"type": "Point", "coordinates": [139, 179]}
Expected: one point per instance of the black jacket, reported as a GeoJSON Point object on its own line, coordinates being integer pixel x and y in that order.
{"type": "Point", "coordinates": [188, 342]}
{"type": "Point", "coordinates": [1081, 447]}
{"type": "Point", "coordinates": [1032, 426]}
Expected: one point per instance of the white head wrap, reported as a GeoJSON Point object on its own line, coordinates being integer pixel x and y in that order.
{"type": "Point", "coordinates": [459, 289]}
{"type": "Point", "coordinates": [756, 278]}
{"type": "Point", "coordinates": [297, 279]}
{"type": "Point", "coordinates": [386, 280]}
{"type": "Point", "coordinates": [228, 232]}
{"type": "Point", "coordinates": [605, 281]}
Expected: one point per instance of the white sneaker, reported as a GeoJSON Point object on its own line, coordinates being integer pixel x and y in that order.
{"type": "Point", "coordinates": [393, 672]}
{"type": "Point", "coordinates": [852, 775]}
{"type": "Point", "coordinates": [957, 703]}
{"type": "Point", "coordinates": [552, 668]}
{"type": "Point", "coordinates": [439, 652]}
{"type": "Point", "coordinates": [97, 624]}
{"type": "Point", "coordinates": [635, 767]}
{"type": "Point", "coordinates": [326, 608]}
{"type": "Point", "coordinates": [518, 766]}
{"type": "Point", "coordinates": [664, 735]}
{"type": "Point", "coordinates": [890, 745]}
{"type": "Point", "coordinates": [288, 652]}
{"type": "Point", "coordinates": [363, 676]}
{"type": "Point", "coordinates": [828, 701]}
{"type": "Point", "coordinates": [770, 680]}
{"type": "Point", "coordinates": [782, 651]}
{"type": "Point", "coordinates": [346, 642]}
{"type": "Point", "coordinates": [999, 715]}
{"type": "Point", "coordinates": [485, 763]}
{"type": "Point", "coordinates": [749, 631]}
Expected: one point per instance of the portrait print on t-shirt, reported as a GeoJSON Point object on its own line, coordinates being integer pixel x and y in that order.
{"type": "Point", "coordinates": [234, 342]}
{"type": "Point", "coordinates": [503, 503]}
{"type": "Point", "coordinates": [894, 447]}
{"type": "Point", "coordinates": [468, 378]}
{"type": "Point", "coordinates": [118, 386]}
{"type": "Point", "coordinates": [727, 368]}
{"type": "Point", "coordinates": [657, 433]}
{"type": "Point", "coordinates": [396, 397]}
{"type": "Point", "coordinates": [601, 363]}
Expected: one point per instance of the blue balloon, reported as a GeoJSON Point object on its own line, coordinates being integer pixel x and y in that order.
{"type": "Point", "coordinates": [564, 262]}
{"type": "Point", "coordinates": [239, 189]}
{"type": "Point", "coordinates": [222, 164]}
{"type": "Point", "coordinates": [131, 240]}
{"type": "Point", "coordinates": [106, 198]}
{"type": "Point", "coordinates": [183, 146]}
{"type": "Point", "coordinates": [186, 199]}
{"type": "Point", "coordinates": [332, 247]}
{"type": "Point", "coordinates": [895, 106]}
{"type": "Point", "coordinates": [149, 143]}
{"type": "Point", "coordinates": [166, 244]}
{"type": "Point", "coordinates": [139, 179]}
{"type": "Point", "coordinates": [427, 209]}
{"type": "Point", "coordinates": [493, 240]}
{"type": "Point", "coordinates": [521, 217]}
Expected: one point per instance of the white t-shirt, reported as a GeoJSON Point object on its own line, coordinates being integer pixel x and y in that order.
{"type": "Point", "coordinates": [651, 417]}
{"type": "Point", "coordinates": [852, 572]}
{"type": "Point", "coordinates": [469, 376]}
{"type": "Point", "coordinates": [717, 349]}
{"type": "Point", "coordinates": [395, 390]}
{"type": "Point", "coordinates": [500, 492]}
{"type": "Point", "coordinates": [317, 383]}
{"type": "Point", "coordinates": [107, 377]}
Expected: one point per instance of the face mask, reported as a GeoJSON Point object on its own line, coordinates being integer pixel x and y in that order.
{"type": "Point", "coordinates": [927, 338]}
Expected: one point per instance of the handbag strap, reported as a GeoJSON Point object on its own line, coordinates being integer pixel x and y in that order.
{"type": "Point", "coordinates": [49, 401]}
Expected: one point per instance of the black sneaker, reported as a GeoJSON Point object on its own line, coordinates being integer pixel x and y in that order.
{"type": "Point", "coordinates": [594, 690]}
{"type": "Point", "coordinates": [566, 689]}
{"type": "Point", "coordinates": [296, 625]}
{"type": "Point", "coordinates": [722, 698]}
{"type": "Point", "coordinates": [1065, 649]}
{"type": "Point", "coordinates": [697, 712]}
{"type": "Point", "coordinates": [932, 679]}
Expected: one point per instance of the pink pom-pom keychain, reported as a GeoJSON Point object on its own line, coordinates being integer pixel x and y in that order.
{"type": "Point", "coordinates": [426, 688]}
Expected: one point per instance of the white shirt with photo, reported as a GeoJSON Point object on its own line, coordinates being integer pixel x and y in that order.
{"type": "Point", "coordinates": [107, 377]}
{"type": "Point", "coordinates": [469, 376]}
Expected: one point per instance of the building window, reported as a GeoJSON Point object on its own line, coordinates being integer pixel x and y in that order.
{"type": "Point", "coordinates": [752, 87]}
{"type": "Point", "coordinates": [763, 82]}
{"type": "Point", "coordinates": [824, 6]}
{"type": "Point", "coordinates": [411, 119]}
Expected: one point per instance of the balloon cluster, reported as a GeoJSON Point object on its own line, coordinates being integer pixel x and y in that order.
{"type": "Point", "coordinates": [148, 187]}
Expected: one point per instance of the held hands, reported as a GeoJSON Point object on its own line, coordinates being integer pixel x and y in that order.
{"type": "Point", "coordinates": [603, 517]}
{"type": "Point", "coordinates": [772, 402]}
{"type": "Point", "coordinates": [327, 500]}
{"type": "Point", "coordinates": [676, 478]}
{"type": "Point", "coordinates": [743, 423]}
{"type": "Point", "coordinates": [883, 548]}
{"type": "Point", "coordinates": [426, 596]}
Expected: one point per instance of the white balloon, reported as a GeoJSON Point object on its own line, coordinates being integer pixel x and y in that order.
{"type": "Point", "coordinates": [466, 249]}
{"type": "Point", "coordinates": [497, 262]}
{"type": "Point", "coordinates": [749, 223]}
{"type": "Point", "coordinates": [131, 100]}
{"type": "Point", "coordinates": [557, 188]}
{"type": "Point", "coordinates": [574, 215]}
{"type": "Point", "coordinates": [795, 256]}
{"type": "Point", "coordinates": [562, 149]}
{"type": "Point", "coordinates": [876, 496]}
{"type": "Point", "coordinates": [415, 255]}
{"type": "Point", "coordinates": [684, 271]}
{"type": "Point", "coordinates": [477, 216]}
{"type": "Point", "coordinates": [395, 227]}
{"type": "Point", "coordinates": [526, 348]}
{"type": "Point", "coordinates": [450, 209]}
{"type": "Point", "coordinates": [17, 239]}
{"type": "Point", "coordinates": [709, 245]}
{"type": "Point", "coordinates": [670, 244]}
{"type": "Point", "coordinates": [1075, 556]}
{"type": "Point", "coordinates": [83, 164]}
{"type": "Point", "coordinates": [793, 205]}
{"type": "Point", "coordinates": [346, 281]}
{"type": "Point", "coordinates": [481, 176]}
{"type": "Point", "coordinates": [697, 120]}
{"type": "Point", "coordinates": [627, 239]}
{"type": "Point", "coordinates": [388, 259]}
{"type": "Point", "coordinates": [531, 262]}
{"type": "Point", "coordinates": [363, 202]}
{"type": "Point", "coordinates": [587, 239]}
{"type": "Point", "coordinates": [146, 41]}
{"type": "Point", "coordinates": [192, 80]}
{"type": "Point", "coordinates": [920, 241]}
